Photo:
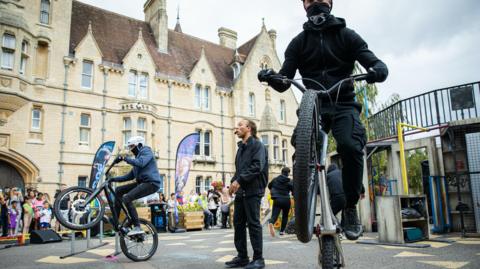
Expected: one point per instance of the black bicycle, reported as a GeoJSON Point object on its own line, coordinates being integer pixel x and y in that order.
{"type": "Point", "coordinates": [81, 208]}
{"type": "Point", "coordinates": [309, 174]}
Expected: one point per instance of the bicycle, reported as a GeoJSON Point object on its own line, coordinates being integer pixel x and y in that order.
{"type": "Point", "coordinates": [87, 208]}
{"type": "Point", "coordinates": [309, 175]}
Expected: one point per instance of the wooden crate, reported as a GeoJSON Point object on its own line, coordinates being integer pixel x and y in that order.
{"type": "Point", "coordinates": [390, 221]}
{"type": "Point", "coordinates": [144, 213]}
{"type": "Point", "coordinates": [191, 220]}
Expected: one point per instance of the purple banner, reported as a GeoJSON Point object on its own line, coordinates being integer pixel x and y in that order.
{"type": "Point", "coordinates": [101, 158]}
{"type": "Point", "coordinates": [184, 160]}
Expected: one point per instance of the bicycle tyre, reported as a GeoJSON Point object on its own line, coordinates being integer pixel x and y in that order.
{"type": "Point", "coordinates": [328, 252]}
{"type": "Point", "coordinates": [124, 247]}
{"type": "Point", "coordinates": [77, 227]}
{"type": "Point", "coordinates": [305, 173]}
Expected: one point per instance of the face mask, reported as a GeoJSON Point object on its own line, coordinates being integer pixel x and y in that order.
{"type": "Point", "coordinates": [135, 150]}
{"type": "Point", "coordinates": [317, 13]}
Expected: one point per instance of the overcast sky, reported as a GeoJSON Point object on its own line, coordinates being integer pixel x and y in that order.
{"type": "Point", "coordinates": [427, 44]}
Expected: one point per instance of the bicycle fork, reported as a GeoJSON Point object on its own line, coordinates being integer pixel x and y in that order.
{"type": "Point", "coordinates": [329, 225]}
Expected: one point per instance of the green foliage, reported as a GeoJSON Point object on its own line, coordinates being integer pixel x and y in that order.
{"type": "Point", "coordinates": [189, 207]}
{"type": "Point", "coordinates": [414, 169]}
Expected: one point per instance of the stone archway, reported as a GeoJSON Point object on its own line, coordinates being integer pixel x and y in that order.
{"type": "Point", "coordinates": [10, 177]}
{"type": "Point", "coordinates": [19, 168]}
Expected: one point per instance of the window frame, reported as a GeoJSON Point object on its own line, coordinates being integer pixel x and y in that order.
{"type": "Point", "coordinates": [132, 82]}
{"type": "Point", "coordinates": [283, 111]}
{"type": "Point", "coordinates": [82, 178]}
{"type": "Point", "coordinates": [275, 144]}
{"type": "Point", "coordinates": [85, 128]}
{"type": "Point", "coordinates": [142, 131]}
{"type": "Point", "coordinates": [45, 12]}
{"type": "Point", "coordinates": [40, 121]}
{"type": "Point", "coordinates": [8, 49]}
{"type": "Point", "coordinates": [251, 104]}
{"type": "Point", "coordinates": [285, 151]}
{"type": "Point", "coordinates": [125, 130]}
{"type": "Point", "coordinates": [90, 76]}
{"type": "Point", "coordinates": [142, 94]}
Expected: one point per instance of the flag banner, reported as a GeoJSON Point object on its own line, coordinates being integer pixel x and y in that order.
{"type": "Point", "coordinates": [184, 160]}
{"type": "Point", "coordinates": [101, 158]}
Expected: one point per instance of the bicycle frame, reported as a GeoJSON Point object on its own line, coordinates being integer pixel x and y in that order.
{"type": "Point", "coordinates": [106, 186]}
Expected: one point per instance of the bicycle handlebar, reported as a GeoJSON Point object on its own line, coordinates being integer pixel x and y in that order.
{"type": "Point", "coordinates": [297, 84]}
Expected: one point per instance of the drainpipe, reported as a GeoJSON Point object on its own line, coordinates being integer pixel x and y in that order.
{"type": "Point", "coordinates": [223, 133]}
{"type": "Point", "coordinates": [66, 64]}
{"type": "Point", "coordinates": [104, 107]}
{"type": "Point", "coordinates": [169, 122]}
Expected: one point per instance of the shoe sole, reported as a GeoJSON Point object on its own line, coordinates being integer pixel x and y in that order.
{"type": "Point", "coordinates": [271, 229]}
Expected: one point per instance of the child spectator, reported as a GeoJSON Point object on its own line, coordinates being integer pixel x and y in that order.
{"type": "Point", "coordinates": [27, 215]}
{"type": "Point", "coordinates": [45, 216]}
{"type": "Point", "coordinates": [12, 216]}
{"type": "Point", "coordinates": [37, 207]}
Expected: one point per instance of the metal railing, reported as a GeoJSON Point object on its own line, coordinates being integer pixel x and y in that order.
{"type": "Point", "coordinates": [431, 109]}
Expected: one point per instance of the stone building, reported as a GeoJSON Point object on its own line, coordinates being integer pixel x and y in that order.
{"type": "Point", "coordinates": [73, 76]}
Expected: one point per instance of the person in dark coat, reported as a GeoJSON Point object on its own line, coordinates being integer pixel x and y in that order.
{"type": "Point", "coordinates": [335, 188]}
{"type": "Point", "coordinates": [248, 183]}
{"type": "Point", "coordinates": [280, 189]}
{"type": "Point", "coordinates": [325, 53]}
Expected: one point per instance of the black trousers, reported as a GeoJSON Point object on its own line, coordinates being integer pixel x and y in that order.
{"type": "Point", "coordinates": [247, 210]}
{"type": "Point", "coordinates": [280, 204]}
{"type": "Point", "coordinates": [214, 212]}
{"type": "Point", "coordinates": [4, 224]}
{"type": "Point", "coordinates": [350, 135]}
{"type": "Point", "coordinates": [130, 193]}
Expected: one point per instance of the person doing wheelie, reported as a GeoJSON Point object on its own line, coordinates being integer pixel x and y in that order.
{"type": "Point", "coordinates": [326, 52]}
{"type": "Point", "coordinates": [147, 181]}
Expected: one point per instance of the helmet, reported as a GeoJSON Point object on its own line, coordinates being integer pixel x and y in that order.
{"type": "Point", "coordinates": [135, 140]}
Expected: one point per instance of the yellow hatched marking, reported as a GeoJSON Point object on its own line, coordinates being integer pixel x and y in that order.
{"type": "Point", "coordinates": [446, 264]}
{"type": "Point", "coordinates": [224, 249]}
{"type": "Point", "coordinates": [406, 254]}
{"type": "Point", "coordinates": [69, 260]}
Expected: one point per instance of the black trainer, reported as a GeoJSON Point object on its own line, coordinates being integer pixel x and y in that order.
{"type": "Point", "coordinates": [256, 264]}
{"type": "Point", "coordinates": [237, 262]}
{"type": "Point", "coordinates": [351, 225]}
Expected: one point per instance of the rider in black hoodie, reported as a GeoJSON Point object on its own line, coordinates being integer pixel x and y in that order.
{"type": "Point", "coordinates": [326, 52]}
{"type": "Point", "coordinates": [280, 188]}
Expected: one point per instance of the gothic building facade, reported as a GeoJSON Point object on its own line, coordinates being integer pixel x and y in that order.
{"type": "Point", "coordinates": [73, 76]}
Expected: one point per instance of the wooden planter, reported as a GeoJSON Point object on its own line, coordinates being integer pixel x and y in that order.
{"type": "Point", "coordinates": [191, 220]}
{"type": "Point", "coordinates": [144, 213]}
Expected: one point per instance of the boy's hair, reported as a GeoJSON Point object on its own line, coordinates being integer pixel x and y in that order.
{"type": "Point", "coordinates": [13, 202]}
{"type": "Point", "coordinates": [46, 202]}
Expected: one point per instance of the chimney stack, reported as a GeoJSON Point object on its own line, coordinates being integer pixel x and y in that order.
{"type": "Point", "coordinates": [156, 15]}
{"type": "Point", "coordinates": [228, 38]}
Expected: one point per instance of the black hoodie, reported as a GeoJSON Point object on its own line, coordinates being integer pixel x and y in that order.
{"type": "Point", "coordinates": [327, 54]}
{"type": "Point", "coordinates": [280, 187]}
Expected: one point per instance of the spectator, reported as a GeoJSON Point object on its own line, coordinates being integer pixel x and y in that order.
{"type": "Point", "coordinates": [193, 197]}
{"type": "Point", "coordinates": [13, 214]}
{"type": "Point", "coordinates": [3, 215]}
{"type": "Point", "coordinates": [171, 202]}
{"type": "Point", "coordinates": [16, 195]}
{"type": "Point", "coordinates": [280, 188]}
{"type": "Point", "coordinates": [225, 206]}
{"type": "Point", "coordinates": [202, 201]}
{"type": "Point", "coordinates": [37, 207]}
{"type": "Point", "coordinates": [27, 214]}
{"type": "Point", "coordinates": [335, 189]}
{"type": "Point", "coordinates": [181, 198]}
{"type": "Point", "coordinates": [162, 198]}
{"type": "Point", "coordinates": [45, 216]}
{"type": "Point", "coordinates": [213, 202]}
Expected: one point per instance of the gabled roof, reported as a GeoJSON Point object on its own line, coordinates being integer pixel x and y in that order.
{"type": "Point", "coordinates": [116, 34]}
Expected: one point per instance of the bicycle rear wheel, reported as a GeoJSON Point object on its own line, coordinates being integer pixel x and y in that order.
{"type": "Point", "coordinates": [139, 247]}
{"type": "Point", "coordinates": [305, 172]}
{"type": "Point", "coordinates": [72, 212]}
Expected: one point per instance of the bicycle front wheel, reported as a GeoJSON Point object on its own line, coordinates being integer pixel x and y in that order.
{"type": "Point", "coordinates": [72, 211]}
{"type": "Point", "coordinates": [139, 247]}
{"type": "Point", "coordinates": [305, 172]}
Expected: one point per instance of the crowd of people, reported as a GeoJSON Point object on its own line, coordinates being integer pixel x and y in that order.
{"type": "Point", "coordinates": [20, 213]}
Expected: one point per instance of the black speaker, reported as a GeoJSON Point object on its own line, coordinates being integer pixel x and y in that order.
{"type": "Point", "coordinates": [44, 236]}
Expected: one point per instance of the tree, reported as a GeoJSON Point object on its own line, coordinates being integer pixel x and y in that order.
{"type": "Point", "coordinates": [414, 169]}
{"type": "Point", "coordinates": [361, 87]}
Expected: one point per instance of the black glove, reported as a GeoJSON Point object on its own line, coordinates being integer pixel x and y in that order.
{"type": "Point", "coordinates": [118, 159]}
{"type": "Point", "coordinates": [265, 75]}
{"type": "Point", "coordinates": [376, 75]}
